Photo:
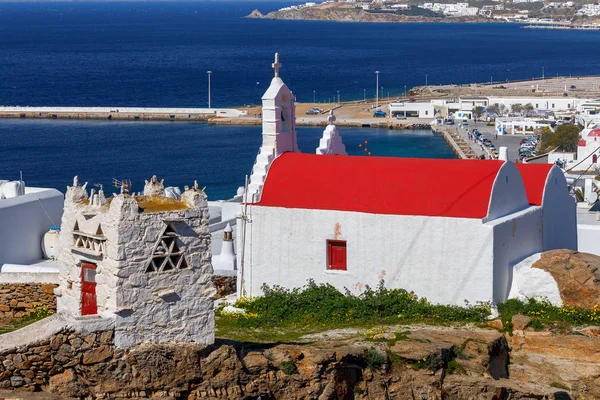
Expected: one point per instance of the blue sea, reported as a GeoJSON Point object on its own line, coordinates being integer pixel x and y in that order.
{"type": "Point", "coordinates": [157, 54]}
{"type": "Point", "coordinates": [51, 152]}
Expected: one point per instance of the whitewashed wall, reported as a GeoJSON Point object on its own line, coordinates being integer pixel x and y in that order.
{"type": "Point", "coordinates": [23, 223]}
{"type": "Point", "coordinates": [516, 237]}
{"type": "Point", "coordinates": [446, 260]}
{"type": "Point", "coordinates": [560, 215]}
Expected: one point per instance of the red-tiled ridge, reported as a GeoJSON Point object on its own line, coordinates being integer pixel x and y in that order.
{"type": "Point", "coordinates": [534, 178]}
{"type": "Point", "coordinates": [381, 185]}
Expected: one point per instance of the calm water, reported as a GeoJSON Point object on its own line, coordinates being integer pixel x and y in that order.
{"type": "Point", "coordinates": [157, 54]}
{"type": "Point", "coordinates": [50, 153]}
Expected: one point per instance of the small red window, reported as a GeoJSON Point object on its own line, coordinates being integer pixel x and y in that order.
{"type": "Point", "coordinates": [336, 255]}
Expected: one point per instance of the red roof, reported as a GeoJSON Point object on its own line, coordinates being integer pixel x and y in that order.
{"type": "Point", "coordinates": [581, 143]}
{"type": "Point", "coordinates": [594, 132]}
{"type": "Point", "coordinates": [381, 185]}
{"type": "Point", "coordinates": [534, 177]}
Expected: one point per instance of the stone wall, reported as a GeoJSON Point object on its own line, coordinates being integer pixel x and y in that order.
{"type": "Point", "coordinates": [16, 299]}
{"type": "Point", "coordinates": [30, 367]}
{"type": "Point", "coordinates": [225, 285]}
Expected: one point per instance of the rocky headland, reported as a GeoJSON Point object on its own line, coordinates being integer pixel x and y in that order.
{"type": "Point", "coordinates": [350, 13]}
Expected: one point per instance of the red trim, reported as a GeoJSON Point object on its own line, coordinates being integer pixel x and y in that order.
{"type": "Point", "coordinates": [594, 132]}
{"type": "Point", "coordinates": [581, 143]}
{"type": "Point", "coordinates": [336, 255]}
{"type": "Point", "coordinates": [534, 178]}
{"type": "Point", "coordinates": [381, 185]}
{"type": "Point", "coordinates": [89, 305]}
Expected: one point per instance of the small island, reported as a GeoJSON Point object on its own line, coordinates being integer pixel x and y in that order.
{"type": "Point", "coordinates": [564, 15]}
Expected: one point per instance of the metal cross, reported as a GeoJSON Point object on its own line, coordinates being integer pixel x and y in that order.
{"type": "Point", "coordinates": [276, 65]}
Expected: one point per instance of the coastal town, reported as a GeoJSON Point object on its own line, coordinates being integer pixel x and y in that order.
{"type": "Point", "coordinates": [327, 275]}
{"type": "Point", "coordinates": [538, 14]}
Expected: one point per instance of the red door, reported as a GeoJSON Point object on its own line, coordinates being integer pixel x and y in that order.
{"type": "Point", "coordinates": [88, 289]}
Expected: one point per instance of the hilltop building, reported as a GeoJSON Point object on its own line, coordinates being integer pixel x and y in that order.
{"type": "Point", "coordinates": [448, 230]}
{"type": "Point", "coordinates": [140, 264]}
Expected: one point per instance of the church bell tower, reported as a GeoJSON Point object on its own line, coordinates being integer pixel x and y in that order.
{"type": "Point", "coordinates": [279, 130]}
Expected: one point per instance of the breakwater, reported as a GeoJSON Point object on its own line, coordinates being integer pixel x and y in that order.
{"type": "Point", "coordinates": [457, 143]}
{"type": "Point", "coordinates": [120, 113]}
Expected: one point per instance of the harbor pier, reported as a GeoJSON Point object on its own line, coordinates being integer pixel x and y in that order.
{"type": "Point", "coordinates": [120, 113]}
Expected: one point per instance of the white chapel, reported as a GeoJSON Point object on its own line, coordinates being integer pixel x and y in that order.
{"type": "Point", "coordinates": [448, 230]}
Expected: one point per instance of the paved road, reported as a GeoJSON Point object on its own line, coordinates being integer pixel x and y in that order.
{"type": "Point", "coordinates": [512, 142]}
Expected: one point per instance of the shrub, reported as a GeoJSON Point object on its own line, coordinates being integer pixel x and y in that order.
{"type": "Point", "coordinates": [324, 305]}
{"type": "Point", "coordinates": [374, 359]}
{"type": "Point", "coordinates": [288, 367]}
{"type": "Point", "coordinates": [454, 367]}
{"type": "Point", "coordinates": [544, 312]}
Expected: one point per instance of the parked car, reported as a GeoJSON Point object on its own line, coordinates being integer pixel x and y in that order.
{"type": "Point", "coordinates": [400, 116]}
{"type": "Point", "coordinates": [313, 111]}
{"type": "Point", "coordinates": [379, 113]}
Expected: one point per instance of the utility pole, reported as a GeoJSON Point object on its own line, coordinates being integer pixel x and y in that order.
{"type": "Point", "coordinates": [543, 75]}
{"type": "Point", "coordinates": [209, 72]}
{"type": "Point", "coordinates": [426, 80]}
{"type": "Point", "coordinates": [365, 95]}
{"type": "Point", "coordinates": [338, 93]}
{"type": "Point", "coordinates": [377, 89]}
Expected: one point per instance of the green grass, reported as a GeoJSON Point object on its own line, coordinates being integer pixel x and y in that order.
{"type": "Point", "coordinates": [315, 308]}
{"type": "Point", "coordinates": [29, 318]}
{"type": "Point", "coordinates": [543, 313]}
{"type": "Point", "coordinates": [284, 315]}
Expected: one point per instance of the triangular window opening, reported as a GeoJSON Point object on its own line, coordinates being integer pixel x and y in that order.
{"type": "Point", "coordinates": [99, 231]}
{"type": "Point", "coordinates": [167, 254]}
{"type": "Point", "coordinates": [76, 227]}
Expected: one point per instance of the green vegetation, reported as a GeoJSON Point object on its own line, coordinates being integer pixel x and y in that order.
{"type": "Point", "coordinates": [287, 315]}
{"type": "Point", "coordinates": [374, 359]}
{"type": "Point", "coordinates": [316, 308]}
{"type": "Point", "coordinates": [454, 367]}
{"type": "Point", "coordinates": [545, 313]}
{"type": "Point", "coordinates": [478, 112]}
{"type": "Point", "coordinates": [35, 315]}
{"type": "Point", "coordinates": [288, 367]}
{"type": "Point", "coordinates": [565, 137]}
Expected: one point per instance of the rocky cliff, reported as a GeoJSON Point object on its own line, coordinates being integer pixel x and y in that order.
{"type": "Point", "coordinates": [417, 362]}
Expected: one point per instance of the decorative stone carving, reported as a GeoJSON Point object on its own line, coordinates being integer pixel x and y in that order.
{"type": "Point", "coordinates": [154, 187]}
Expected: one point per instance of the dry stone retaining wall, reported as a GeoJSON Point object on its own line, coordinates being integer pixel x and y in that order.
{"type": "Point", "coordinates": [30, 367]}
{"type": "Point", "coordinates": [225, 285]}
{"type": "Point", "coordinates": [16, 299]}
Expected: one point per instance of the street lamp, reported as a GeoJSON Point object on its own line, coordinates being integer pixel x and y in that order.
{"type": "Point", "coordinates": [404, 90]}
{"type": "Point", "coordinates": [338, 93]}
{"type": "Point", "coordinates": [365, 95]}
{"type": "Point", "coordinates": [209, 72]}
{"type": "Point", "coordinates": [377, 90]}
{"type": "Point", "coordinates": [543, 75]}
{"type": "Point", "coordinates": [314, 96]}
{"type": "Point", "coordinates": [426, 80]}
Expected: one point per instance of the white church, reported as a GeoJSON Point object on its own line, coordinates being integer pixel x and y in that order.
{"type": "Point", "coordinates": [448, 230]}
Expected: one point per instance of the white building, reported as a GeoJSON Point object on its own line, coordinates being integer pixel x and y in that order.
{"type": "Point", "coordinates": [448, 230]}
{"type": "Point", "coordinates": [588, 149]}
{"type": "Point", "coordinates": [140, 264]}
{"type": "Point", "coordinates": [589, 10]}
{"type": "Point", "coordinates": [519, 125]}
{"type": "Point", "coordinates": [26, 215]}
{"type": "Point", "coordinates": [408, 109]}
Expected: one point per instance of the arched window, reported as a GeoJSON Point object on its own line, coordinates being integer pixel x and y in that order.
{"type": "Point", "coordinates": [594, 158]}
